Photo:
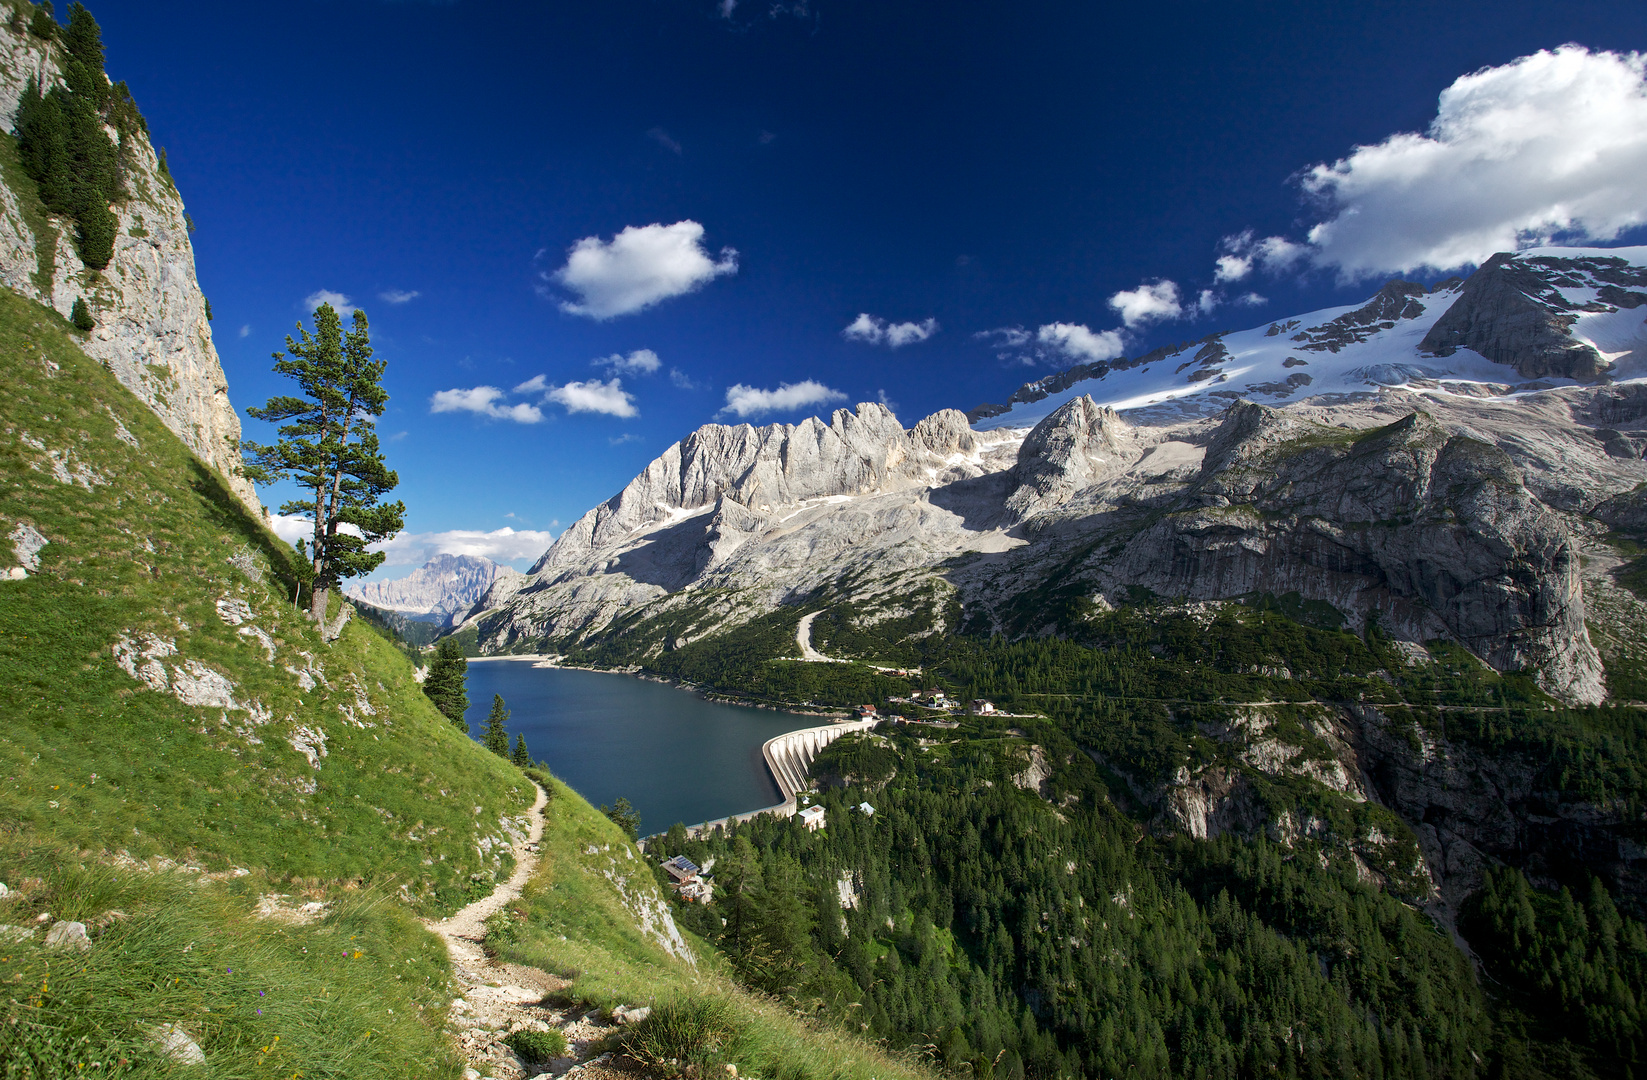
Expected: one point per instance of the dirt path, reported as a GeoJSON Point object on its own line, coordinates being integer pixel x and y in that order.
{"type": "Point", "coordinates": [497, 998]}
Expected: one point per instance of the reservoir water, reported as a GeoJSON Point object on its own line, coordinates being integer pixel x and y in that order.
{"type": "Point", "coordinates": [675, 756]}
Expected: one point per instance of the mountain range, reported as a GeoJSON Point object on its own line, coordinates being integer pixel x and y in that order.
{"type": "Point", "coordinates": [1439, 460]}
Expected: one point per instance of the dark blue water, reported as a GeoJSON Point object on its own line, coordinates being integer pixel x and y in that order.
{"type": "Point", "coordinates": [675, 756]}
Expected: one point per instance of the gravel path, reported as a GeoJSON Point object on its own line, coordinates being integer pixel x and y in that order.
{"type": "Point", "coordinates": [498, 998]}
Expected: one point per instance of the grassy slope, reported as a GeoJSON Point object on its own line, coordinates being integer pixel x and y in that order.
{"type": "Point", "coordinates": [576, 924]}
{"type": "Point", "coordinates": [398, 785]}
{"type": "Point", "coordinates": [95, 767]}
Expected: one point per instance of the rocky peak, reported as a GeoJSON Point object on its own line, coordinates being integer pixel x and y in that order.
{"type": "Point", "coordinates": [445, 585]}
{"type": "Point", "coordinates": [1068, 450]}
{"type": "Point", "coordinates": [1512, 311]}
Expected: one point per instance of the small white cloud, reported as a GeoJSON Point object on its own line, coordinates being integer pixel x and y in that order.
{"type": "Point", "coordinates": [399, 435]}
{"type": "Point", "coordinates": [500, 545]}
{"type": "Point", "coordinates": [594, 396]}
{"type": "Point", "coordinates": [726, 8]}
{"type": "Point", "coordinates": [1207, 301]}
{"type": "Point", "coordinates": [339, 302]}
{"type": "Point", "coordinates": [1149, 302]}
{"type": "Point", "coordinates": [873, 330]}
{"type": "Point", "coordinates": [484, 401]}
{"type": "Point", "coordinates": [398, 296]}
{"type": "Point", "coordinates": [637, 268]}
{"type": "Point", "coordinates": [1251, 299]}
{"type": "Point", "coordinates": [536, 384]}
{"type": "Point", "coordinates": [246, 331]}
{"type": "Point", "coordinates": [1232, 268]}
{"type": "Point", "coordinates": [746, 401]}
{"type": "Point", "coordinates": [681, 380]}
{"type": "Point", "coordinates": [665, 140]}
{"type": "Point", "coordinates": [626, 437]}
{"type": "Point", "coordinates": [1075, 341]}
{"type": "Point", "coordinates": [639, 362]}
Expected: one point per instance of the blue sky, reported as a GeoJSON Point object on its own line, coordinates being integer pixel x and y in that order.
{"type": "Point", "coordinates": [1060, 178]}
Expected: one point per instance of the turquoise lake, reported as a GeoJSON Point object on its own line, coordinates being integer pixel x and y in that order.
{"type": "Point", "coordinates": [675, 756]}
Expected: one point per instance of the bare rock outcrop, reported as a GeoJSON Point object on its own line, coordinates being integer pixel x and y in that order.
{"type": "Point", "coordinates": [152, 330]}
{"type": "Point", "coordinates": [1434, 534]}
{"type": "Point", "coordinates": [1512, 312]}
{"type": "Point", "coordinates": [1066, 452]}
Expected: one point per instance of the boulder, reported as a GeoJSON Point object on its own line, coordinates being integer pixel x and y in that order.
{"type": "Point", "coordinates": [68, 935]}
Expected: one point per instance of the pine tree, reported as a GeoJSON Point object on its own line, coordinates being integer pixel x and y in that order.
{"type": "Point", "coordinates": [520, 757]}
{"type": "Point", "coordinates": [80, 315]}
{"type": "Point", "coordinates": [41, 23]}
{"type": "Point", "coordinates": [624, 816]}
{"type": "Point", "coordinates": [328, 444]}
{"type": "Point", "coordinates": [446, 684]}
{"type": "Point", "coordinates": [496, 737]}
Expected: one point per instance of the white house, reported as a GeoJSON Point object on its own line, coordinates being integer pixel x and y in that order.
{"type": "Point", "coordinates": [813, 817]}
{"type": "Point", "coordinates": [866, 810]}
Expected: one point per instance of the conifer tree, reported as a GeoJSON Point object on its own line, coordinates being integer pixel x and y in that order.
{"type": "Point", "coordinates": [496, 736]}
{"type": "Point", "coordinates": [80, 315]}
{"type": "Point", "coordinates": [624, 816]}
{"type": "Point", "coordinates": [41, 23]}
{"type": "Point", "coordinates": [328, 444]}
{"type": "Point", "coordinates": [520, 757]}
{"type": "Point", "coordinates": [446, 684]}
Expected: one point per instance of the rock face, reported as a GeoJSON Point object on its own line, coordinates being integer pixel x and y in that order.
{"type": "Point", "coordinates": [1512, 311]}
{"type": "Point", "coordinates": [152, 330]}
{"type": "Point", "coordinates": [443, 586]}
{"type": "Point", "coordinates": [1068, 451]}
{"type": "Point", "coordinates": [1434, 533]}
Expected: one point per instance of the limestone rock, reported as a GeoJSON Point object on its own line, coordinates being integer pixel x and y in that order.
{"type": "Point", "coordinates": [1511, 313]}
{"type": "Point", "coordinates": [1066, 452]}
{"type": "Point", "coordinates": [1436, 533]}
{"type": "Point", "coordinates": [152, 331]}
{"type": "Point", "coordinates": [176, 1044]}
{"type": "Point", "coordinates": [68, 935]}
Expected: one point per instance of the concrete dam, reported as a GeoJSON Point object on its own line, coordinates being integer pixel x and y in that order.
{"type": "Point", "coordinates": [788, 757]}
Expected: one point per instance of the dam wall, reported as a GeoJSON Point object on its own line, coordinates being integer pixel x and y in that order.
{"type": "Point", "coordinates": [788, 757]}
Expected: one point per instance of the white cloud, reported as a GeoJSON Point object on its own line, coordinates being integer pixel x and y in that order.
{"type": "Point", "coordinates": [1077, 342]}
{"type": "Point", "coordinates": [749, 401]}
{"type": "Point", "coordinates": [637, 268]}
{"type": "Point", "coordinates": [1251, 299]}
{"type": "Point", "coordinates": [873, 330]}
{"type": "Point", "coordinates": [726, 8]}
{"type": "Point", "coordinates": [1149, 302]}
{"type": "Point", "coordinates": [681, 380]}
{"type": "Point", "coordinates": [483, 401]}
{"type": "Point", "coordinates": [594, 396]}
{"type": "Point", "coordinates": [1551, 146]}
{"type": "Point", "coordinates": [500, 545]}
{"type": "Point", "coordinates": [665, 140]}
{"type": "Point", "coordinates": [398, 296]}
{"type": "Point", "coordinates": [339, 302]}
{"type": "Point", "coordinates": [1208, 301]}
{"type": "Point", "coordinates": [246, 331]}
{"type": "Point", "coordinates": [1232, 268]}
{"type": "Point", "coordinates": [639, 362]}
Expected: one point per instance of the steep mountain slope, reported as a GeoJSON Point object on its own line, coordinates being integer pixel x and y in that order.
{"type": "Point", "coordinates": [440, 588]}
{"type": "Point", "coordinates": [1445, 525]}
{"type": "Point", "coordinates": [1523, 322]}
{"type": "Point", "coordinates": [153, 328]}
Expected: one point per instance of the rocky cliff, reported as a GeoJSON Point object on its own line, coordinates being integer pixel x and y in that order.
{"type": "Point", "coordinates": [152, 330]}
{"type": "Point", "coordinates": [1441, 507]}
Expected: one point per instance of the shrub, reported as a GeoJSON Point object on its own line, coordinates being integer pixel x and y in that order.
{"type": "Point", "coordinates": [537, 1047]}
{"type": "Point", "coordinates": [685, 1031]}
{"type": "Point", "coordinates": [80, 315]}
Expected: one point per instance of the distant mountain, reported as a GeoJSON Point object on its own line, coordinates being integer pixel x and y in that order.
{"type": "Point", "coordinates": [1522, 323]}
{"type": "Point", "coordinates": [1501, 403]}
{"type": "Point", "coordinates": [444, 586]}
